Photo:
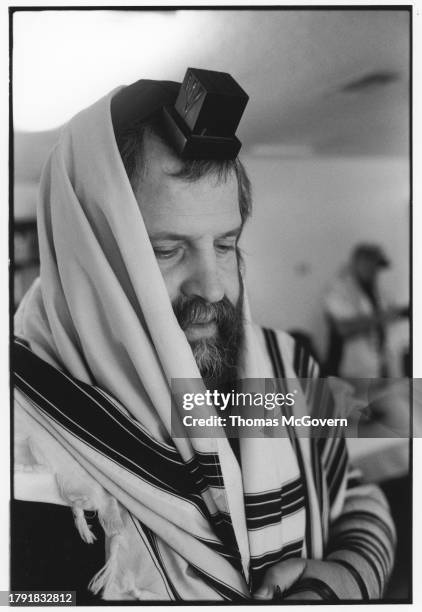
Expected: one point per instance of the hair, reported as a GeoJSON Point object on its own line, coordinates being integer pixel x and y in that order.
{"type": "Point", "coordinates": [131, 145]}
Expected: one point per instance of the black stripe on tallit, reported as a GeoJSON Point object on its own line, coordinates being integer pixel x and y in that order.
{"type": "Point", "coordinates": [203, 477]}
{"type": "Point", "coordinates": [285, 551]}
{"type": "Point", "coordinates": [221, 549]}
{"type": "Point", "coordinates": [223, 529]}
{"type": "Point", "coordinates": [208, 459]}
{"type": "Point", "coordinates": [63, 399]}
{"type": "Point", "coordinates": [324, 501]}
{"type": "Point", "coordinates": [155, 556]}
{"type": "Point", "coordinates": [261, 504]}
{"type": "Point", "coordinates": [368, 541]}
{"type": "Point", "coordinates": [273, 519]}
{"type": "Point", "coordinates": [253, 499]}
{"type": "Point", "coordinates": [315, 447]}
{"type": "Point", "coordinates": [354, 482]}
{"type": "Point", "coordinates": [279, 372]}
{"type": "Point", "coordinates": [134, 427]}
{"type": "Point", "coordinates": [332, 445]}
{"type": "Point", "coordinates": [206, 469]}
{"type": "Point", "coordinates": [367, 516]}
{"type": "Point", "coordinates": [314, 585]}
{"type": "Point", "coordinates": [357, 577]}
{"type": "Point", "coordinates": [260, 563]}
{"type": "Point", "coordinates": [79, 408]}
{"type": "Point", "coordinates": [228, 593]}
{"type": "Point", "coordinates": [282, 503]}
{"type": "Point", "coordinates": [274, 353]}
{"type": "Point", "coordinates": [337, 470]}
{"type": "Point", "coordinates": [301, 361]}
{"type": "Point", "coordinates": [168, 452]}
{"type": "Point", "coordinates": [364, 554]}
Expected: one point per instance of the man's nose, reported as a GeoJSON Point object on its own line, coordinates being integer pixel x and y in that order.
{"type": "Point", "coordinates": [204, 280]}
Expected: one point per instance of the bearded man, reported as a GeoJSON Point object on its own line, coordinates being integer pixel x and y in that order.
{"type": "Point", "coordinates": [141, 283]}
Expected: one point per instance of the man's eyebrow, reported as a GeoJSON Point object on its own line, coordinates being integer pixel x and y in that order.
{"type": "Point", "coordinates": [175, 236]}
{"type": "Point", "coordinates": [234, 232]}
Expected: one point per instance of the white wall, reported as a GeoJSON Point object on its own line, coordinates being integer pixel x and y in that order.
{"type": "Point", "coordinates": [308, 214]}
{"type": "Point", "coordinates": [25, 199]}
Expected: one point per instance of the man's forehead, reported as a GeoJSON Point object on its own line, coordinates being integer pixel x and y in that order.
{"type": "Point", "coordinates": [210, 202]}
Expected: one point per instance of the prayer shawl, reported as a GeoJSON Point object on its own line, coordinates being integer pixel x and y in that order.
{"type": "Point", "coordinates": [98, 345]}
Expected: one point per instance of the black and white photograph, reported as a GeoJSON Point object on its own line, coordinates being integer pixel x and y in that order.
{"type": "Point", "coordinates": [211, 305]}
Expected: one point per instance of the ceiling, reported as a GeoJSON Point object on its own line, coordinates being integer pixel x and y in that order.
{"type": "Point", "coordinates": [327, 82]}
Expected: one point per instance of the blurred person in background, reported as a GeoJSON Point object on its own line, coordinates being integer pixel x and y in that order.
{"type": "Point", "coordinates": [359, 316]}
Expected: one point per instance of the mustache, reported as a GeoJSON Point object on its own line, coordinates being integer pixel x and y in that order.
{"type": "Point", "coordinates": [196, 311]}
{"type": "Point", "coordinates": [217, 356]}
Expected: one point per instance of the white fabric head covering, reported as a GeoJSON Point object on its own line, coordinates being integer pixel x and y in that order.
{"type": "Point", "coordinates": [101, 311]}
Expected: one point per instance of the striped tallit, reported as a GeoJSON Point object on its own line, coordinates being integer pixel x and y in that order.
{"type": "Point", "coordinates": [98, 347]}
{"type": "Point", "coordinates": [325, 510]}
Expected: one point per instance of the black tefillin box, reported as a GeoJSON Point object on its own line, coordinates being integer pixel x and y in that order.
{"type": "Point", "coordinates": [204, 119]}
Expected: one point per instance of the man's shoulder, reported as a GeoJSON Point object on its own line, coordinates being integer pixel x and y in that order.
{"type": "Point", "coordinates": [295, 349]}
{"type": "Point", "coordinates": [284, 340]}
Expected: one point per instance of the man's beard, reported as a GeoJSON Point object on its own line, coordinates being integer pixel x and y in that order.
{"type": "Point", "coordinates": [216, 356]}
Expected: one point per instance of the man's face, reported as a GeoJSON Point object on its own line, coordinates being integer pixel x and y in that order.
{"type": "Point", "coordinates": [366, 269]}
{"type": "Point", "coordinates": [193, 227]}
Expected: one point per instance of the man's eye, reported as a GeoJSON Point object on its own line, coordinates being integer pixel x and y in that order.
{"type": "Point", "coordinates": [166, 253]}
{"type": "Point", "coordinates": [225, 248]}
